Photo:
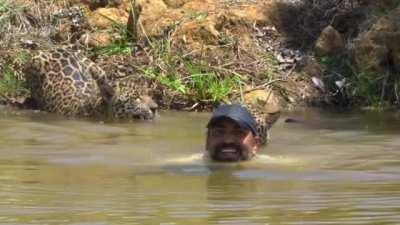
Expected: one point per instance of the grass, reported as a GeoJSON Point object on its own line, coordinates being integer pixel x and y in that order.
{"type": "Point", "coordinates": [197, 15]}
{"type": "Point", "coordinates": [10, 86]}
{"type": "Point", "coordinates": [126, 42]}
{"type": "Point", "coordinates": [123, 45]}
{"type": "Point", "coordinates": [193, 79]}
{"type": "Point", "coordinates": [11, 14]}
{"type": "Point", "coordinates": [381, 11]}
{"type": "Point", "coordinates": [365, 88]}
{"type": "Point", "coordinates": [270, 59]}
{"type": "Point", "coordinates": [188, 77]}
{"type": "Point", "coordinates": [22, 57]}
{"type": "Point", "coordinates": [6, 11]}
{"type": "Point", "coordinates": [208, 85]}
{"type": "Point", "coordinates": [118, 47]}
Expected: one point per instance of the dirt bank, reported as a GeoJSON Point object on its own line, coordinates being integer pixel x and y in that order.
{"type": "Point", "coordinates": [200, 53]}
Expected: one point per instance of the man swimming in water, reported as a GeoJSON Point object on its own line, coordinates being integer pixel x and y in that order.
{"type": "Point", "coordinates": [232, 134]}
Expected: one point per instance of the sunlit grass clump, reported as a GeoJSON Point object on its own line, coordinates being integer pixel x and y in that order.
{"type": "Point", "coordinates": [192, 78]}
{"type": "Point", "coordinates": [11, 86]}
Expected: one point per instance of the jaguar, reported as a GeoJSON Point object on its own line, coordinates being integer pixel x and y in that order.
{"type": "Point", "coordinates": [67, 82]}
{"type": "Point", "coordinates": [265, 109]}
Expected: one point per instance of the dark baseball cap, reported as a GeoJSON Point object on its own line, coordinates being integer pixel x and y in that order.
{"type": "Point", "coordinates": [237, 113]}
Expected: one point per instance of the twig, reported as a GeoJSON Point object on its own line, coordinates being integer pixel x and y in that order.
{"type": "Point", "coordinates": [145, 34]}
{"type": "Point", "coordinates": [227, 70]}
{"type": "Point", "coordinates": [241, 93]}
{"type": "Point", "coordinates": [289, 72]}
{"type": "Point", "coordinates": [263, 86]}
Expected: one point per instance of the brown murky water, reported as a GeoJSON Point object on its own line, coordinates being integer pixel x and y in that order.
{"type": "Point", "coordinates": [333, 169]}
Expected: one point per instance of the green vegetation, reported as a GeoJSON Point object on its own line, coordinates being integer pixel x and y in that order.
{"type": "Point", "coordinates": [10, 85]}
{"type": "Point", "coordinates": [21, 58]}
{"type": "Point", "coordinates": [10, 14]}
{"type": "Point", "coordinates": [125, 42]}
{"type": "Point", "coordinates": [194, 79]}
{"type": "Point", "coordinates": [200, 86]}
{"type": "Point", "coordinates": [383, 11]}
{"type": "Point", "coordinates": [6, 11]}
{"type": "Point", "coordinates": [270, 59]}
{"type": "Point", "coordinates": [370, 88]}
{"type": "Point", "coordinates": [208, 84]}
{"type": "Point", "coordinates": [197, 15]}
{"type": "Point", "coordinates": [118, 47]}
{"type": "Point", "coordinates": [365, 88]}
{"type": "Point", "coordinates": [122, 45]}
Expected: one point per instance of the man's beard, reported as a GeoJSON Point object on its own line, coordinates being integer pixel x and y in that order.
{"type": "Point", "coordinates": [229, 153]}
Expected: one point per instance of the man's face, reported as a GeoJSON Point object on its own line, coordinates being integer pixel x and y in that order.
{"type": "Point", "coordinates": [228, 142]}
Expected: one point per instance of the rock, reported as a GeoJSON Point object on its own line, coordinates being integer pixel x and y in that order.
{"type": "Point", "coordinates": [378, 49]}
{"type": "Point", "coordinates": [329, 42]}
{"type": "Point", "coordinates": [103, 18]}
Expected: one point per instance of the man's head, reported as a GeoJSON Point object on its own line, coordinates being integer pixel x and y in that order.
{"type": "Point", "coordinates": [232, 134]}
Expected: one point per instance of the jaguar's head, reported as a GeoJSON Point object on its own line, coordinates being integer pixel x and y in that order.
{"type": "Point", "coordinates": [133, 107]}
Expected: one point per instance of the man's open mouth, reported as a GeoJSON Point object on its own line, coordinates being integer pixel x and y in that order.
{"type": "Point", "coordinates": [229, 150]}
{"type": "Point", "coordinates": [227, 154]}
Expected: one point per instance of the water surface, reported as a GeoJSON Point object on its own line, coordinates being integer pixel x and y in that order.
{"type": "Point", "coordinates": [335, 168]}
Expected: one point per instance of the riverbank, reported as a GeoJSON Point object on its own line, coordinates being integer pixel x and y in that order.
{"type": "Point", "coordinates": [196, 54]}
